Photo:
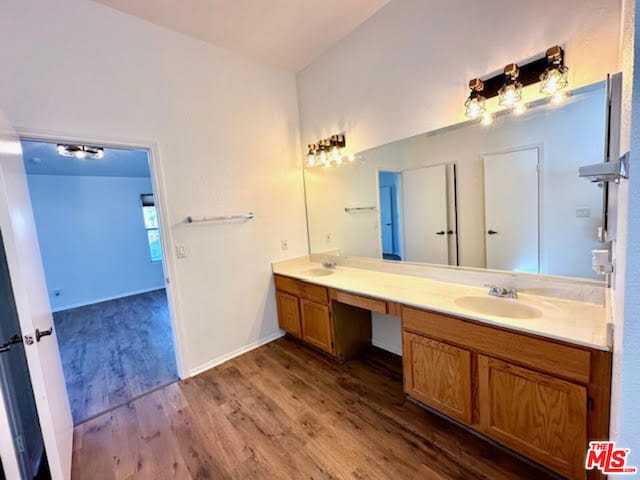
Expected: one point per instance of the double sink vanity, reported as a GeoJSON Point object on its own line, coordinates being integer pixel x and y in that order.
{"type": "Point", "coordinates": [532, 373]}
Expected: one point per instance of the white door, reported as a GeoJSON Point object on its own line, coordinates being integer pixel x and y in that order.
{"type": "Point", "coordinates": [387, 220]}
{"type": "Point", "coordinates": [424, 192]}
{"type": "Point", "coordinates": [511, 210]}
{"type": "Point", "coordinates": [32, 304]}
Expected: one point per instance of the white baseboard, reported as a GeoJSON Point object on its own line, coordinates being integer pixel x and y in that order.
{"type": "Point", "coordinates": [235, 353]}
{"type": "Point", "coordinates": [106, 299]}
{"type": "Point", "coordinates": [397, 351]}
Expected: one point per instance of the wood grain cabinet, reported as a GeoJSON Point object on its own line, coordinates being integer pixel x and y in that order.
{"type": "Point", "coordinates": [437, 374]}
{"type": "Point", "coordinates": [540, 416]}
{"type": "Point", "coordinates": [289, 313]}
{"type": "Point", "coordinates": [316, 325]}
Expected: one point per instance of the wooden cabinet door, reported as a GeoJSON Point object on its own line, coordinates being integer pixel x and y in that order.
{"type": "Point", "coordinates": [316, 325]}
{"type": "Point", "coordinates": [289, 313]}
{"type": "Point", "coordinates": [543, 417]}
{"type": "Point", "coordinates": [437, 374]}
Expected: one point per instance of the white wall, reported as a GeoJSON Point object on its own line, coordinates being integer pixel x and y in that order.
{"type": "Point", "coordinates": [227, 132]}
{"type": "Point", "coordinates": [92, 237]}
{"type": "Point", "coordinates": [405, 70]}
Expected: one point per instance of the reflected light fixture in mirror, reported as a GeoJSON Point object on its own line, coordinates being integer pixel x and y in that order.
{"type": "Point", "coordinates": [475, 104]}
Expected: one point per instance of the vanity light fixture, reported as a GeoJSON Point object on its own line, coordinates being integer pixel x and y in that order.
{"type": "Point", "coordinates": [80, 151]}
{"type": "Point", "coordinates": [327, 152]}
{"type": "Point", "coordinates": [474, 106]}
{"type": "Point", "coordinates": [555, 77]}
{"type": "Point", "coordinates": [510, 94]}
{"type": "Point", "coordinates": [549, 70]}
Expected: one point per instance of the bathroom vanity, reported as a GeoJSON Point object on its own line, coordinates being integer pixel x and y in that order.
{"type": "Point", "coordinates": [533, 374]}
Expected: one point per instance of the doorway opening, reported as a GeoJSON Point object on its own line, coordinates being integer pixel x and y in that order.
{"type": "Point", "coordinates": [100, 243]}
{"type": "Point", "coordinates": [390, 206]}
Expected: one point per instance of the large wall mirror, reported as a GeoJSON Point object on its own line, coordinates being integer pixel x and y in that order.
{"type": "Point", "coordinates": [502, 196]}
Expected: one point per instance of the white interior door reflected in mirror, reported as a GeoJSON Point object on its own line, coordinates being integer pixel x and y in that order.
{"type": "Point", "coordinates": [511, 190]}
{"type": "Point", "coordinates": [425, 204]}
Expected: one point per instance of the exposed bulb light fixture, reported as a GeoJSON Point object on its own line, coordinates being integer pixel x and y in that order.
{"type": "Point", "coordinates": [555, 77]}
{"type": "Point", "coordinates": [327, 152]}
{"type": "Point", "coordinates": [511, 92]}
{"type": "Point", "coordinates": [475, 104]}
{"type": "Point", "coordinates": [549, 70]}
{"type": "Point", "coordinates": [80, 152]}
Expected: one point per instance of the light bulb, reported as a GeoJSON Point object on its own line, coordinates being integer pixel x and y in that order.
{"type": "Point", "coordinates": [335, 155]}
{"type": "Point", "coordinates": [311, 160]}
{"type": "Point", "coordinates": [487, 119]}
{"type": "Point", "coordinates": [557, 98]}
{"type": "Point", "coordinates": [519, 108]}
{"type": "Point", "coordinates": [324, 159]}
{"type": "Point", "coordinates": [80, 154]}
{"type": "Point", "coordinates": [510, 94]}
{"type": "Point", "coordinates": [474, 107]}
{"type": "Point", "coordinates": [554, 79]}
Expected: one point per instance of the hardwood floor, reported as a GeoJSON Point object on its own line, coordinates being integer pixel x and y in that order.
{"type": "Point", "coordinates": [284, 411]}
{"type": "Point", "coordinates": [115, 351]}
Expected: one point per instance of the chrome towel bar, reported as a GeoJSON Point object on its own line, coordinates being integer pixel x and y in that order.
{"type": "Point", "coordinates": [358, 209]}
{"type": "Point", "coordinates": [219, 218]}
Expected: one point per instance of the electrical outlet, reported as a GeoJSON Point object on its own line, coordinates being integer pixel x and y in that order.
{"type": "Point", "coordinates": [181, 252]}
{"type": "Point", "coordinates": [284, 245]}
{"type": "Point", "coordinates": [583, 212]}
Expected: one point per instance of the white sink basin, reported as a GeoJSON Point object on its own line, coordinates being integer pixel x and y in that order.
{"type": "Point", "coordinates": [499, 307]}
{"type": "Point", "coordinates": [319, 272]}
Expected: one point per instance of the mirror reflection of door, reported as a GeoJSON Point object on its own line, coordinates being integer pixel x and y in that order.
{"type": "Point", "coordinates": [512, 210]}
{"type": "Point", "coordinates": [389, 183]}
{"type": "Point", "coordinates": [425, 206]}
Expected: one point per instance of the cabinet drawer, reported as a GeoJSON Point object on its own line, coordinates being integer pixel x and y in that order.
{"type": "Point", "coordinates": [437, 374]}
{"type": "Point", "coordinates": [298, 288]}
{"type": "Point", "coordinates": [367, 303]}
{"type": "Point", "coordinates": [542, 417]}
{"type": "Point", "coordinates": [562, 360]}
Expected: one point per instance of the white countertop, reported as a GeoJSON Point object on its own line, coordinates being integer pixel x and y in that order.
{"type": "Point", "coordinates": [570, 321]}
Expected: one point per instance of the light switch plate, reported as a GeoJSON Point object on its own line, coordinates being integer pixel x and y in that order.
{"type": "Point", "coordinates": [583, 212]}
{"type": "Point", "coordinates": [284, 245]}
{"type": "Point", "coordinates": [181, 252]}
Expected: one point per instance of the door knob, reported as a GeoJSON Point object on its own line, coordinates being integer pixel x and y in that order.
{"type": "Point", "coordinates": [45, 333]}
{"type": "Point", "coordinates": [492, 232]}
{"type": "Point", "coordinates": [441, 232]}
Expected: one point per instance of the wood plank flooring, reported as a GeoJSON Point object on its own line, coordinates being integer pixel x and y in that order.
{"type": "Point", "coordinates": [284, 411]}
{"type": "Point", "coordinates": [115, 351]}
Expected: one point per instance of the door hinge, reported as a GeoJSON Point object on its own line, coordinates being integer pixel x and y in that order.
{"type": "Point", "coordinates": [589, 403]}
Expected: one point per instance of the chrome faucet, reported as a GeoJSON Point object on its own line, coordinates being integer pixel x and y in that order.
{"type": "Point", "coordinates": [503, 292]}
{"type": "Point", "coordinates": [329, 264]}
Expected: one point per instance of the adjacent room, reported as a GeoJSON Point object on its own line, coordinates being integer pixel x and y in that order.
{"type": "Point", "coordinates": [99, 239]}
{"type": "Point", "coordinates": [319, 239]}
